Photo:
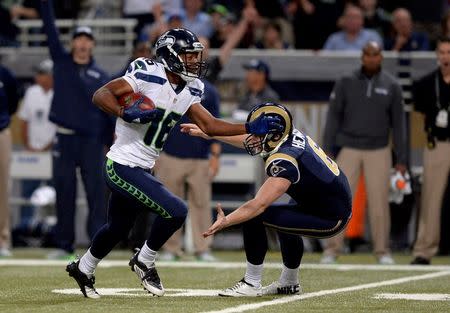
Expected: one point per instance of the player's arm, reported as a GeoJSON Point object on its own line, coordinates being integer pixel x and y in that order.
{"type": "Point", "coordinates": [212, 126]}
{"type": "Point", "coordinates": [217, 127]}
{"type": "Point", "coordinates": [271, 190]}
{"type": "Point", "coordinates": [194, 130]}
{"type": "Point", "coordinates": [106, 96]}
{"type": "Point", "coordinates": [48, 18]}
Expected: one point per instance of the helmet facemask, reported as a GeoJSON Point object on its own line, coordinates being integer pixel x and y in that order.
{"type": "Point", "coordinates": [255, 144]}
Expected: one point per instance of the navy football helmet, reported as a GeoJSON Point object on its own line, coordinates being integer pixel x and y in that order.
{"type": "Point", "coordinates": [269, 143]}
{"type": "Point", "coordinates": [171, 48]}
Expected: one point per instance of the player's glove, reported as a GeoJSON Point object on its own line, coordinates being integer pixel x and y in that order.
{"type": "Point", "coordinates": [134, 114]}
{"type": "Point", "coordinates": [264, 124]}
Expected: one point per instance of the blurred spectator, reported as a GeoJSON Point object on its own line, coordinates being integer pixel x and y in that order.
{"type": "Point", "coordinates": [363, 108]}
{"type": "Point", "coordinates": [8, 30]}
{"type": "Point", "coordinates": [223, 23]}
{"type": "Point", "coordinates": [67, 9]}
{"type": "Point", "coordinates": [141, 10]}
{"type": "Point", "coordinates": [140, 50]}
{"type": "Point", "coordinates": [37, 131]}
{"type": "Point", "coordinates": [272, 37]}
{"type": "Point", "coordinates": [195, 20]}
{"type": "Point", "coordinates": [8, 106]}
{"type": "Point", "coordinates": [445, 25]}
{"type": "Point", "coordinates": [353, 36]}
{"type": "Point", "coordinates": [375, 17]}
{"type": "Point", "coordinates": [162, 24]}
{"type": "Point", "coordinates": [27, 9]}
{"type": "Point", "coordinates": [82, 132]}
{"type": "Point", "coordinates": [268, 8]}
{"type": "Point", "coordinates": [314, 21]}
{"type": "Point", "coordinates": [187, 167]}
{"type": "Point", "coordinates": [257, 88]}
{"type": "Point", "coordinates": [432, 98]}
{"type": "Point", "coordinates": [233, 39]}
{"type": "Point", "coordinates": [404, 37]}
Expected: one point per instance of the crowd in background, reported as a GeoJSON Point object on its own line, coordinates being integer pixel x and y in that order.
{"type": "Point", "coordinates": [225, 25]}
{"type": "Point", "coordinates": [274, 24]}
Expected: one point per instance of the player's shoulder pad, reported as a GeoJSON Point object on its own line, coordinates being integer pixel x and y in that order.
{"type": "Point", "coordinates": [196, 87]}
{"type": "Point", "coordinates": [147, 70]}
{"type": "Point", "coordinates": [283, 164]}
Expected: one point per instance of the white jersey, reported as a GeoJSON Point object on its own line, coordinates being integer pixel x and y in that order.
{"type": "Point", "coordinates": [138, 145]}
{"type": "Point", "coordinates": [34, 110]}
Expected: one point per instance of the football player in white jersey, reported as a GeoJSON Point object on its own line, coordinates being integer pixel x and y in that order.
{"type": "Point", "coordinates": [171, 81]}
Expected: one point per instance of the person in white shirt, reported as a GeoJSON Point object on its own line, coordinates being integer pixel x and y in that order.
{"type": "Point", "coordinates": [37, 131]}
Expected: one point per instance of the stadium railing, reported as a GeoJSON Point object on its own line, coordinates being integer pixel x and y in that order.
{"type": "Point", "coordinates": [112, 35]}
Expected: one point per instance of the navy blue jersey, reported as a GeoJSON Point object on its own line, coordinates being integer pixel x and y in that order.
{"type": "Point", "coordinates": [317, 181]}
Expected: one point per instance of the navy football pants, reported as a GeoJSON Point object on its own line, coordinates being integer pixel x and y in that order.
{"type": "Point", "coordinates": [133, 190]}
{"type": "Point", "coordinates": [291, 222]}
{"type": "Point", "coordinates": [70, 152]}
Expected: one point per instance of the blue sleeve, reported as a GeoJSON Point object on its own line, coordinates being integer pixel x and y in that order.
{"type": "Point", "coordinates": [329, 44]}
{"type": "Point", "coordinates": [283, 165]}
{"type": "Point", "coordinates": [48, 17]}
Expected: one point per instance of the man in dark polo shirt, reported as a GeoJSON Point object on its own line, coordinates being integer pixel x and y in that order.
{"type": "Point", "coordinates": [187, 167]}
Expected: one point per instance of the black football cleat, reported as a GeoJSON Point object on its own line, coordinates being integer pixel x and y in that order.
{"type": "Point", "coordinates": [148, 276]}
{"type": "Point", "coordinates": [86, 284]}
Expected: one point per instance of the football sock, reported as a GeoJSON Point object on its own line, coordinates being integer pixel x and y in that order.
{"type": "Point", "coordinates": [88, 263]}
{"type": "Point", "coordinates": [291, 249]}
{"type": "Point", "coordinates": [253, 274]}
{"type": "Point", "coordinates": [289, 276]}
{"type": "Point", "coordinates": [255, 240]}
{"type": "Point", "coordinates": [147, 255]}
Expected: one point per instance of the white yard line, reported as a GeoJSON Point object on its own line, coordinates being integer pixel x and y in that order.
{"type": "Point", "coordinates": [255, 306]}
{"type": "Point", "coordinates": [237, 265]}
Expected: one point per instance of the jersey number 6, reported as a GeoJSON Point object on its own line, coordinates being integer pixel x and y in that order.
{"type": "Point", "coordinates": [321, 154]}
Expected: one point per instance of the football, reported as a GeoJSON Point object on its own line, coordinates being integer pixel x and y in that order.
{"type": "Point", "coordinates": [128, 99]}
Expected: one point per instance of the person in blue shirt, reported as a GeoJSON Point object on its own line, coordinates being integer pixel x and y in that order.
{"type": "Point", "coordinates": [353, 36]}
{"type": "Point", "coordinates": [8, 106]}
{"type": "Point", "coordinates": [193, 162]}
{"type": "Point", "coordinates": [320, 203]}
{"type": "Point", "coordinates": [83, 130]}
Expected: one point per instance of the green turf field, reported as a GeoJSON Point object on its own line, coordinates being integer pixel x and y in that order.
{"type": "Point", "coordinates": [30, 283]}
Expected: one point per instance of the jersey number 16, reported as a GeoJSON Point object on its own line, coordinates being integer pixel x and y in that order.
{"type": "Point", "coordinates": [159, 128]}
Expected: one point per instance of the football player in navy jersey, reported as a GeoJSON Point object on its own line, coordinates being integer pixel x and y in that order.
{"type": "Point", "coordinates": [320, 205]}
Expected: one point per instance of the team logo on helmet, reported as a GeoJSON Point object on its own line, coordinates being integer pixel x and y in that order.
{"type": "Point", "coordinates": [165, 41]}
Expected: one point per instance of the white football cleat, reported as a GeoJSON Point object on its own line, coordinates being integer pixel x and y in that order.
{"type": "Point", "coordinates": [241, 289]}
{"type": "Point", "coordinates": [276, 288]}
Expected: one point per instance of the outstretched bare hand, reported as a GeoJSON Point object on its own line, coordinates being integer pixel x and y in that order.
{"type": "Point", "coordinates": [220, 223]}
